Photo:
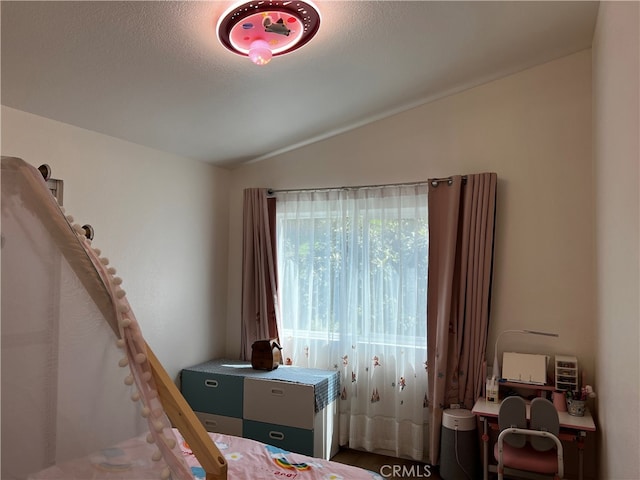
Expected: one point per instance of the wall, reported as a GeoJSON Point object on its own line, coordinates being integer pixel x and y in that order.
{"type": "Point", "coordinates": [159, 218]}
{"type": "Point", "coordinates": [533, 129]}
{"type": "Point", "coordinates": [616, 116]}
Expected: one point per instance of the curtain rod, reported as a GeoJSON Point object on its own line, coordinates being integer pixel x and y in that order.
{"type": "Point", "coordinates": [433, 181]}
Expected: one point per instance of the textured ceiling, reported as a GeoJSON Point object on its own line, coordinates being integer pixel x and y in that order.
{"type": "Point", "coordinates": [154, 73]}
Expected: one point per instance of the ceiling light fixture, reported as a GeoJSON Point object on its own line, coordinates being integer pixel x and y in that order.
{"type": "Point", "coordinates": [262, 29]}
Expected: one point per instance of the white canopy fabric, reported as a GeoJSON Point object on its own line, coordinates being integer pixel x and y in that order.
{"type": "Point", "coordinates": [76, 381]}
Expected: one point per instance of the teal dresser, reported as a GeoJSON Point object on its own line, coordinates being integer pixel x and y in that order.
{"type": "Point", "coordinates": [290, 407]}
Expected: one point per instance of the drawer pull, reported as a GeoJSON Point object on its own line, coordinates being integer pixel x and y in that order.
{"type": "Point", "coordinates": [277, 391]}
{"type": "Point", "coordinates": [211, 383]}
{"type": "Point", "coordinates": [210, 423]}
{"type": "Point", "coordinates": [276, 435]}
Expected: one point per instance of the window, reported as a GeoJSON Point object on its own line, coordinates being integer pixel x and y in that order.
{"type": "Point", "coordinates": [352, 280]}
{"type": "Point", "coordinates": [354, 263]}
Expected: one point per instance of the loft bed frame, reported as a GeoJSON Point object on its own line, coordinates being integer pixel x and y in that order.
{"type": "Point", "coordinates": [175, 406]}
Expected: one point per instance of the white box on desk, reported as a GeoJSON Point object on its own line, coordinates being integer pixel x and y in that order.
{"type": "Point", "coordinates": [524, 368]}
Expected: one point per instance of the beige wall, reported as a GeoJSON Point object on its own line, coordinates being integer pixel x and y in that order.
{"type": "Point", "coordinates": [534, 130]}
{"type": "Point", "coordinates": [616, 84]}
{"type": "Point", "coordinates": [160, 219]}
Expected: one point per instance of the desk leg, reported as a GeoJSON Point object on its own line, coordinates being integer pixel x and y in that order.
{"type": "Point", "coordinates": [580, 441]}
{"type": "Point", "coordinates": [485, 449]}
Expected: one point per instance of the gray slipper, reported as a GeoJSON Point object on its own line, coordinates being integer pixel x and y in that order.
{"type": "Point", "coordinates": [513, 413]}
{"type": "Point", "coordinates": [544, 417]}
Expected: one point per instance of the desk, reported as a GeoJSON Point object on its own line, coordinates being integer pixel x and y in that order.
{"type": "Point", "coordinates": [571, 429]}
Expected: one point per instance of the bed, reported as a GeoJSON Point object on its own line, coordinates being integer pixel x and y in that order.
{"type": "Point", "coordinates": [83, 395]}
{"type": "Point", "coordinates": [246, 459]}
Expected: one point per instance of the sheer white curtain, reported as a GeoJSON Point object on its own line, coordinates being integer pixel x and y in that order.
{"type": "Point", "coordinates": [352, 265]}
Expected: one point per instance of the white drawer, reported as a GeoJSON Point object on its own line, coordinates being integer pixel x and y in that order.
{"type": "Point", "coordinates": [220, 423]}
{"type": "Point", "coordinates": [280, 403]}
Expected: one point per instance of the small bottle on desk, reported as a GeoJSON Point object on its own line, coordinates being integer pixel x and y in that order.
{"type": "Point", "coordinates": [492, 390]}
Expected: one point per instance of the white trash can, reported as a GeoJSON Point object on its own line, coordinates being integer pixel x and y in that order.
{"type": "Point", "coordinates": [459, 451]}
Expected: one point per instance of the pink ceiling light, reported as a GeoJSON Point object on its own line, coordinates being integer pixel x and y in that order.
{"type": "Point", "coordinates": [262, 29]}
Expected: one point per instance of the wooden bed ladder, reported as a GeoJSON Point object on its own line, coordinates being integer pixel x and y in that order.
{"type": "Point", "coordinates": [183, 418]}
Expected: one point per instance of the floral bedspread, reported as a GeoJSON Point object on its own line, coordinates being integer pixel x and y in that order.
{"type": "Point", "coordinates": [248, 459]}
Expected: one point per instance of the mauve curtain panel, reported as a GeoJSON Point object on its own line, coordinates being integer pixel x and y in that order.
{"type": "Point", "coordinates": [461, 233]}
{"type": "Point", "coordinates": [259, 275]}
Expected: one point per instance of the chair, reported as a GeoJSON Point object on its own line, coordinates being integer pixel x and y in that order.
{"type": "Point", "coordinates": [535, 449]}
